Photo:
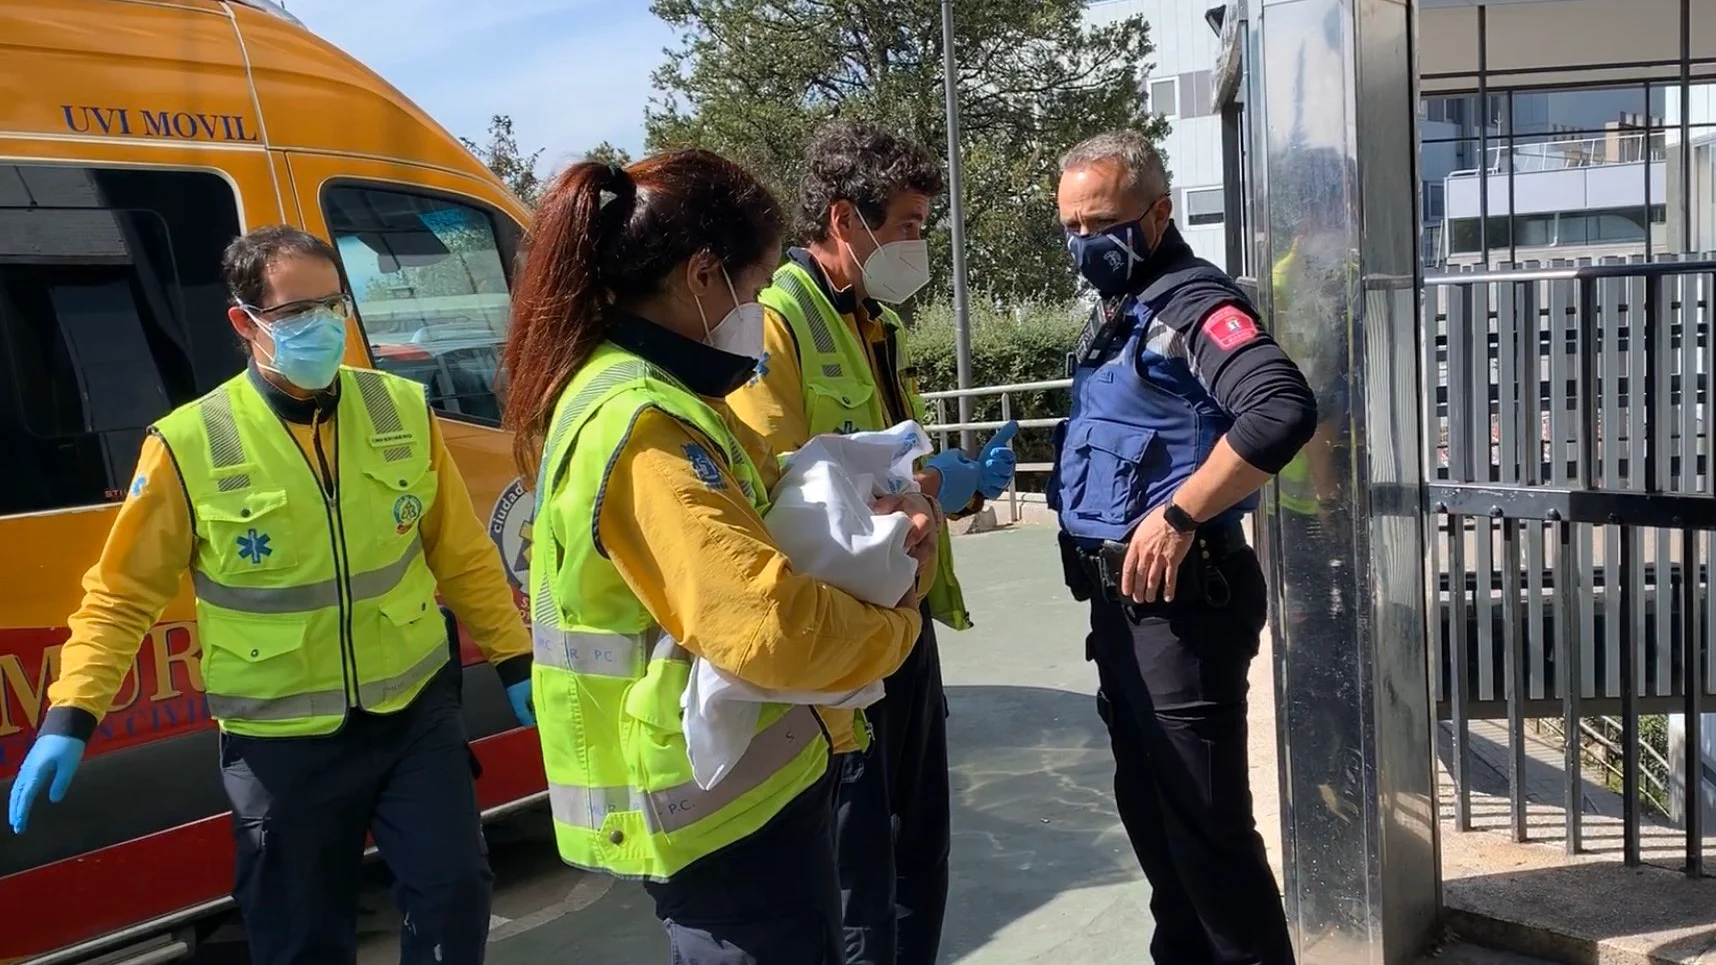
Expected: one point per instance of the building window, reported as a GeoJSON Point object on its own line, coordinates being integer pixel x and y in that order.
{"type": "Point", "coordinates": [1196, 94]}
{"type": "Point", "coordinates": [112, 314]}
{"type": "Point", "coordinates": [429, 278]}
{"type": "Point", "coordinates": [1203, 206]}
{"type": "Point", "coordinates": [1164, 97]}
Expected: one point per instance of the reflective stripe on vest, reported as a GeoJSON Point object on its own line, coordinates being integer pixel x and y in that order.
{"type": "Point", "coordinates": [291, 599]}
{"type": "Point", "coordinates": [678, 807]}
{"type": "Point", "coordinates": [841, 366]}
{"type": "Point", "coordinates": [602, 654]}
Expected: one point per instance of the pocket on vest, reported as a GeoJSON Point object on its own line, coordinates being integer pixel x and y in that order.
{"type": "Point", "coordinates": [652, 730]}
{"type": "Point", "coordinates": [251, 655]}
{"type": "Point", "coordinates": [844, 409]}
{"type": "Point", "coordinates": [409, 613]}
{"type": "Point", "coordinates": [402, 495]}
{"type": "Point", "coordinates": [1114, 464]}
{"type": "Point", "coordinates": [249, 531]}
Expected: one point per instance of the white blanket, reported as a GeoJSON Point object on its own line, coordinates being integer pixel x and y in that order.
{"type": "Point", "coordinates": [821, 517]}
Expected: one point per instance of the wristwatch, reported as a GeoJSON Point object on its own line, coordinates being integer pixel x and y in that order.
{"type": "Point", "coordinates": [1178, 519]}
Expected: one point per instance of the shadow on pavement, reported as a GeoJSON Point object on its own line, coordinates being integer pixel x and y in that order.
{"type": "Point", "coordinates": [1033, 823]}
{"type": "Point", "coordinates": [1033, 811]}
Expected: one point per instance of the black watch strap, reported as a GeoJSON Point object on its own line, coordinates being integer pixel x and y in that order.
{"type": "Point", "coordinates": [1179, 519]}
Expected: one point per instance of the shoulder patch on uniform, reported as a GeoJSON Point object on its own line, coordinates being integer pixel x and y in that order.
{"type": "Point", "coordinates": [138, 485]}
{"type": "Point", "coordinates": [1229, 327]}
{"type": "Point", "coordinates": [761, 372]}
{"type": "Point", "coordinates": [704, 465]}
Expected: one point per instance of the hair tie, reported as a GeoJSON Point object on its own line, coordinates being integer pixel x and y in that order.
{"type": "Point", "coordinates": [617, 182]}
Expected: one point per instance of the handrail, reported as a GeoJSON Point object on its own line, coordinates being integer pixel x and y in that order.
{"type": "Point", "coordinates": [945, 429]}
{"type": "Point", "coordinates": [999, 389]}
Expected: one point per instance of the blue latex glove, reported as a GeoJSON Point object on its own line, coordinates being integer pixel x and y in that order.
{"type": "Point", "coordinates": [519, 696]}
{"type": "Point", "coordinates": [958, 479]}
{"type": "Point", "coordinates": [997, 462]}
{"type": "Point", "coordinates": [52, 757]}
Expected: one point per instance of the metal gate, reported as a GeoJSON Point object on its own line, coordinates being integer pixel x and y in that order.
{"type": "Point", "coordinates": [1571, 497]}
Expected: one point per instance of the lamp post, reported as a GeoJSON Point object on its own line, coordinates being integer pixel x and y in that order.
{"type": "Point", "coordinates": [956, 216]}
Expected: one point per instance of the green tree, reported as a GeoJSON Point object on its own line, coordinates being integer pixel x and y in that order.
{"type": "Point", "coordinates": [607, 153]}
{"type": "Point", "coordinates": [752, 79]}
{"type": "Point", "coordinates": [503, 157]}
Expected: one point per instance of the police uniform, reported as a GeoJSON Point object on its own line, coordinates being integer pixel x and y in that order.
{"type": "Point", "coordinates": [651, 549]}
{"type": "Point", "coordinates": [318, 534]}
{"type": "Point", "coordinates": [1160, 376]}
{"type": "Point", "coordinates": [834, 365]}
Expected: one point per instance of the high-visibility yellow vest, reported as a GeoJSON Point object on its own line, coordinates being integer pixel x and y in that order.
{"type": "Point", "coordinates": [840, 395]}
{"type": "Point", "coordinates": [607, 685]}
{"type": "Point", "coordinates": [310, 604]}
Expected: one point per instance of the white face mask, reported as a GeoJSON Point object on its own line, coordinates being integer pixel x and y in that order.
{"type": "Point", "coordinates": [895, 271]}
{"type": "Point", "coordinates": [740, 331]}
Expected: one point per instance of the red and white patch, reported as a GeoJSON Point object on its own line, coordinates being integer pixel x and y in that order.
{"type": "Point", "coordinates": [1230, 327]}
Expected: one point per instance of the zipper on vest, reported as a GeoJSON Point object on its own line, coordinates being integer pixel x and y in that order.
{"type": "Point", "coordinates": [330, 486]}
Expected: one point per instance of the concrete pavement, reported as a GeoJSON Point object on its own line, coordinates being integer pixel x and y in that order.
{"type": "Point", "coordinates": [1041, 869]}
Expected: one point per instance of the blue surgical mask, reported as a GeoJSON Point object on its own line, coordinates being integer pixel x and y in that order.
{"type": "Point", "coordinates": [308, 348]}
{"type": "Point", "coordinates": [1110, 260]}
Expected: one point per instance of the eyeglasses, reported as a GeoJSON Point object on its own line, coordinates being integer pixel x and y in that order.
{"type": "Point", "coordinates": [340, 304]}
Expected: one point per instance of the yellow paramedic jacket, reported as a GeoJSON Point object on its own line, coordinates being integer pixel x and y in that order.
{"type": "Point", "coordinates": [699, 558]}
{"type": "Point", "coordinates": [773, 403]}
{"type": "Point", "coordinates": [148, 553]}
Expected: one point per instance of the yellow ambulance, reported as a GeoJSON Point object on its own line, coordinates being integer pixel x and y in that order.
{"type": "Point", "coordinates": [137, 137]}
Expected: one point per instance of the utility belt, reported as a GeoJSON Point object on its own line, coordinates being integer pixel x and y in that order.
{"type": "Point", "coordinates": [1096, 569]}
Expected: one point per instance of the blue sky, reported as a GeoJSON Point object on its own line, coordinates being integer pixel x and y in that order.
{"type": "Point", "coordinates": [572, 73]}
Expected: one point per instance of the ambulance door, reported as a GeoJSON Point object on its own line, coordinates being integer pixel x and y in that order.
{"type": "Point", "coordinates": [112, 314]}
{"type": "Point", "coordinates": [428, 257]}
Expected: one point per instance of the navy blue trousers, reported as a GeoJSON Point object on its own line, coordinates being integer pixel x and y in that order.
{"type": "Point", "coordinates": [1173, 695]}
{"type": "Point", "coordinates": [770, 899]}
{"type": "Point", "coordinates": [892, 820]}
{"type": "Point", "coordinates": [300, 810]}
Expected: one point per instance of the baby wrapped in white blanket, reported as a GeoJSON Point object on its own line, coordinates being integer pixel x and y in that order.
{"type": "Point", "coordinates": [821, 518]}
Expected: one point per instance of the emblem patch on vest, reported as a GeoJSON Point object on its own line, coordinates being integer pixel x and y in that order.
{"type": "Point", "coordinates": [138, 485]}
{"type": "Point", "coordinates": [253, 546]}
{"type": "Point", "coordinates": [407, 510]}
{"type": "Point", "coordinates": [510, 529]}
{"type": "Point", "coordinates": [704, 466]}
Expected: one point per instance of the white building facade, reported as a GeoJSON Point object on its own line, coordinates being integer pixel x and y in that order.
{"type": "Point", "coordinates": [1180, 86]}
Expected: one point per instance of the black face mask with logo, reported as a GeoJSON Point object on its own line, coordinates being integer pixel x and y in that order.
{"type": "Point", "coordinates": [1110, 259]}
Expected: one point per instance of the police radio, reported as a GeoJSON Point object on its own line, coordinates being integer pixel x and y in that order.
{"type": "Point", "coordinates": [1099, 333]}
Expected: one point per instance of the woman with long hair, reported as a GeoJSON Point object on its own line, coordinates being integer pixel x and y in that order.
{"type": "Point", "coordinates": [635, 315]}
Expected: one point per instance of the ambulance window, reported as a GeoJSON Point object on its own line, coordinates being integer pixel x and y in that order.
{"type": "Point", "coordinates": [112, 313]}
{"type": "Point", "coordinates": [429, 277]}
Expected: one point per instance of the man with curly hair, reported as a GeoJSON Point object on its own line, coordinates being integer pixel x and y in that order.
{"type": "Point", "coordinates": [835, 361]}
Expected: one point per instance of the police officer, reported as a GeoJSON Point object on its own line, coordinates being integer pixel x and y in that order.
{"type": "Point", "coordinates": [320, 513]}
{"type": "Point", "coordinates": [1182, 408]}
{"type": "Point", "coordinates": [836, 362]}
{"type": "Point", "coordinates": [636, 316]}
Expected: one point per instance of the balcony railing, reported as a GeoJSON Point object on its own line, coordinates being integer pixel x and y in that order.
{"type": "Point", "coordinates": [1602, 150]}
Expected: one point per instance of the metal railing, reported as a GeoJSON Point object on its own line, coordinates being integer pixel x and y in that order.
{"type": "Point", "coordinates": [944, 429]}
{"type": "Point", "coordinates": [1569, 506]}
{"type": "Point", "coordinates": [1603, 150]}
{"type": "Point", "coordinates": [1600, 739]}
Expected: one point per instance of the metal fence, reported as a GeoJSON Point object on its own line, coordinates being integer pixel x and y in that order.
{"type": "Point", "coordinates": [1571, 498]}
{"type": "Point", "coordinates": [944, 430]}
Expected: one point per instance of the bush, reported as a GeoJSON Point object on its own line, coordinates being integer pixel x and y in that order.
{"type": "Point", "coordinates": [1009, 345]}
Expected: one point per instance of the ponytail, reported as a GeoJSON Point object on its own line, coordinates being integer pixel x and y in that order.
{"type": "Point", "coordinates": [606, 235]}
{"type": "Point", "coordinates": [559, 299]}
